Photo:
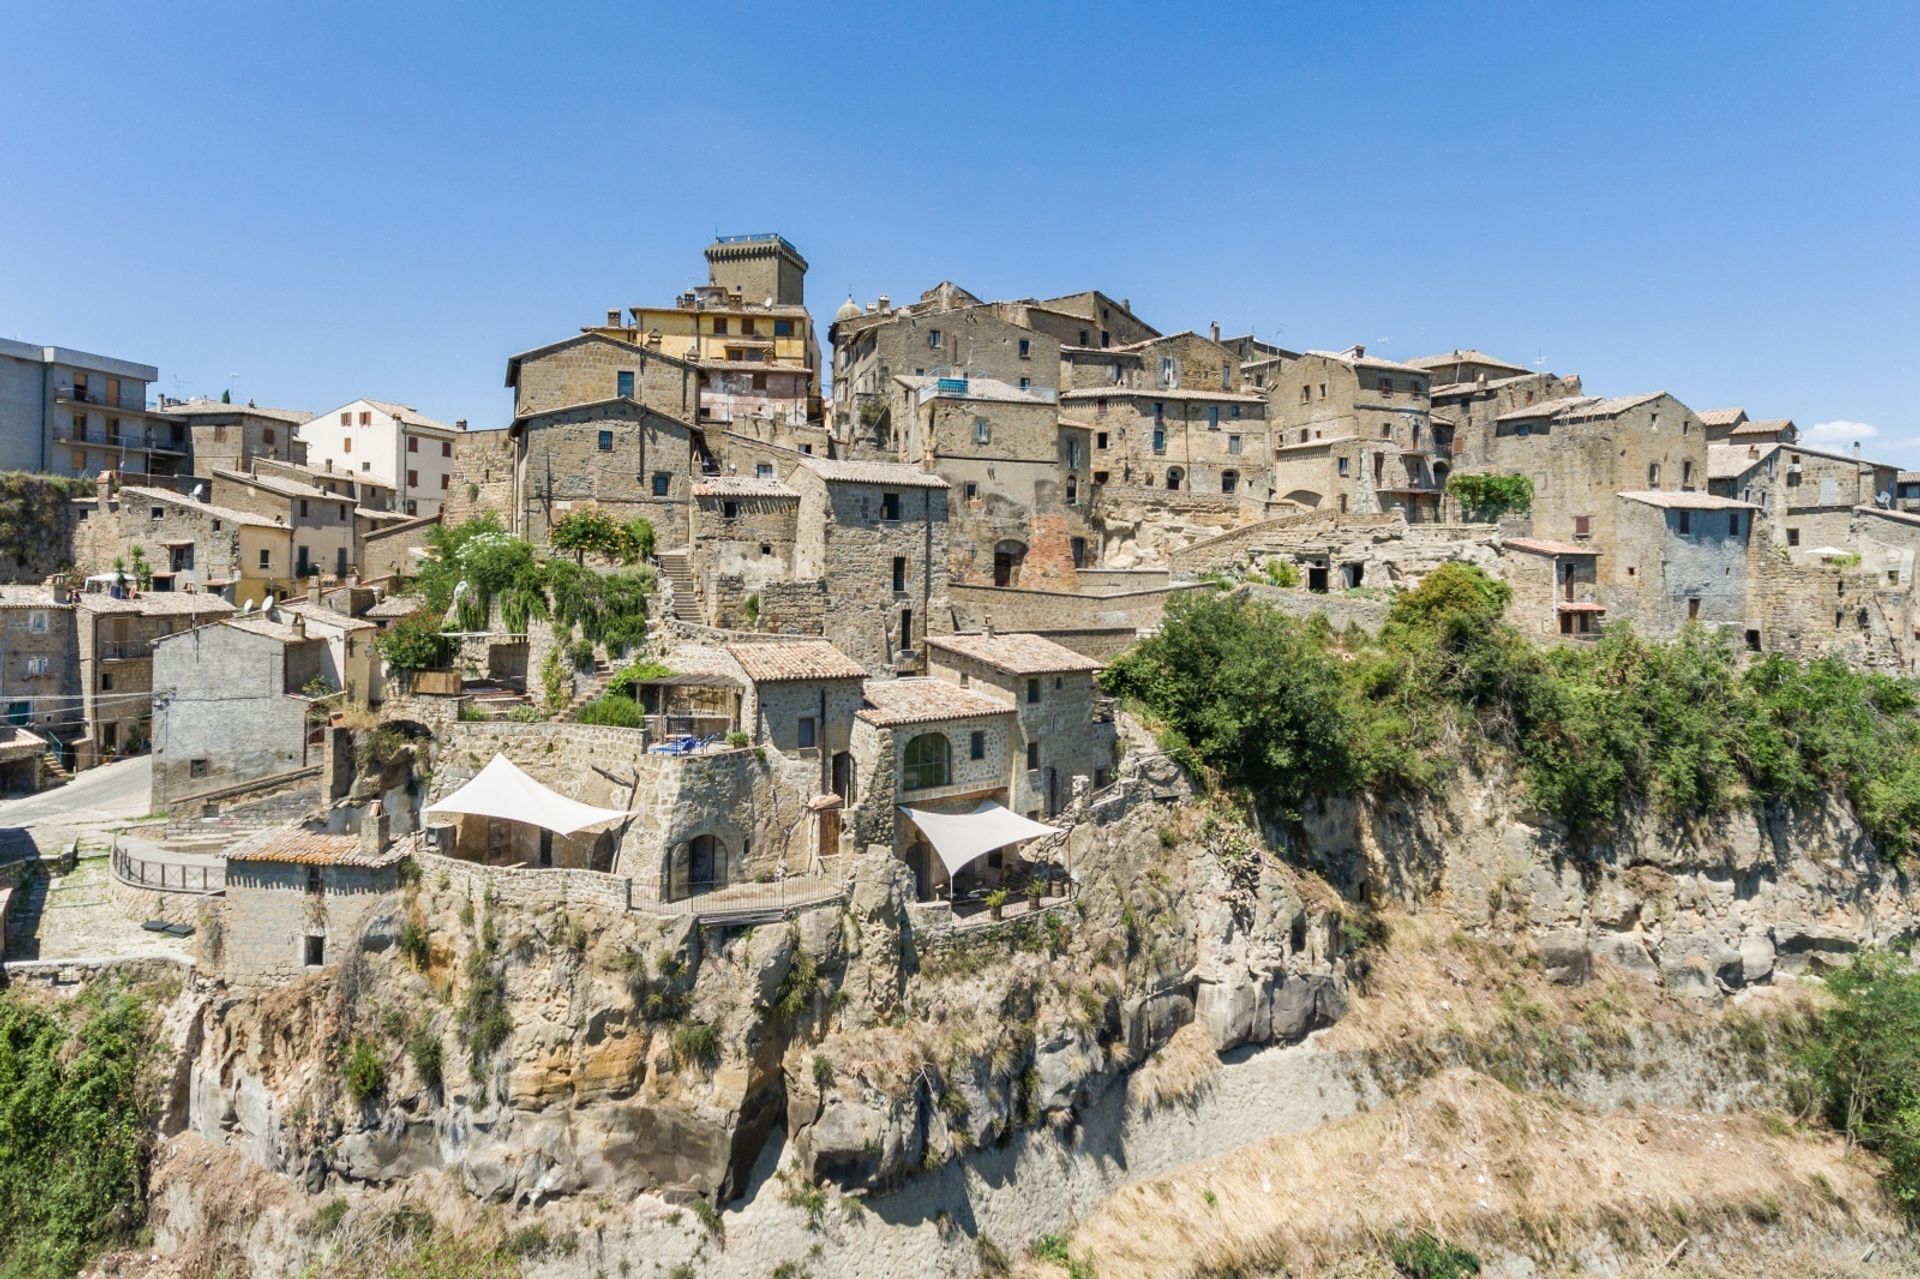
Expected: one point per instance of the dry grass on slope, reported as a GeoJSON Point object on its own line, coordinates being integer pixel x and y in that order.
{"type": "Point", "coordinates": [1470, 1160]}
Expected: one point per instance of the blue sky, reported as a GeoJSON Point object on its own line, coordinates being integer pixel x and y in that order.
{"type": "Point", "coordinates": [315, 203]}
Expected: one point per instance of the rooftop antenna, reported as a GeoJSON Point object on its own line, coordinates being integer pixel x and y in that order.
{"type": "Point", "coordinates": [1539, 358]}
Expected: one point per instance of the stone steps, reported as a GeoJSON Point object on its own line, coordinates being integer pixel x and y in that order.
{"type": "Point", "coordinates": [594, 687]}
{"type": "Point", "coordinates": [673, 567]}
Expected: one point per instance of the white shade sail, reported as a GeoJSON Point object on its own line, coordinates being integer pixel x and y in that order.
{"type": "Point", "coordinates": [502, 790]}
{"type": "Point", "coordinates": [961, 837]}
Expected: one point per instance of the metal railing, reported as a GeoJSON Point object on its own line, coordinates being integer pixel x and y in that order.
{"type": "Point", "coordinates": [169, 877]}
{"type": "Point", "coordinates": [125, 650]}
{"type": "Point", "coordinates": [741, 901]}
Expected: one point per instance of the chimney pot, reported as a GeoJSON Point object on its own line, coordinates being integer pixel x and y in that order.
{"type": "Point", "coordinates": [613, 317]}
{"type": "Point", "coordinates": [299, 625]}
{"type": "Point", "coordinates": [374, 826]}
{"type": "Point", "coordinates": [989, 624]}
{"type": "Point", "coordinates": [1215, 327]}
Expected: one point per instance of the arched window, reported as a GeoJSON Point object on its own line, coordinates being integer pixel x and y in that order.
{"type": "Point", "coordinates": [1175, 476]}
{"type": "Point", "coordinates": [927, 762]}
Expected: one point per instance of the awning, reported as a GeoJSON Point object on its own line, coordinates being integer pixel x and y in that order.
{"type": "Point", "coordinates": [502, 790]}
{"type": "Point", "coordinates": [961, 837]}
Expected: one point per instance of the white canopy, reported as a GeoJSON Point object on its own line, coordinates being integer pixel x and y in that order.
{"type": "Point", "coordinates": [502, 790]}
{"type": "Point", "coordinates": [961, 837]}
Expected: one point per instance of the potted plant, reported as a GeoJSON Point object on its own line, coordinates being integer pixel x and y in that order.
{"type": "Point", "coordinates": [996, 900]}
{"type": "Point", "coordinates": [1036, 887]}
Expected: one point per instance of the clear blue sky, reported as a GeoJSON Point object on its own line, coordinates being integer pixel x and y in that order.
{"type": "Point", "coordinates": [1714, 199]}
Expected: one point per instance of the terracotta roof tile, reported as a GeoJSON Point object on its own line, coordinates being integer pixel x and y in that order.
{"type": "Point", "coordinates": [921, 700]}
{"type": "Point", "coordinates": [893, 473]}
{"type": "Point", "coordinates": [1722, 417]}
{"type": "Point", "coordinates": [803, 659]}
{"type": "Point", "coordinates": [158, 604]}
{"type": "Point", "coordinates": [741, 486]}
{"type": "Point", "coordinates": [1016, 654]}
{"type": "Point", "coordinates": [298, 846]}
{"type": "Point", "coordinates": [1541, 546]}
{"type": "Point", "coordinates": [1688, 501]}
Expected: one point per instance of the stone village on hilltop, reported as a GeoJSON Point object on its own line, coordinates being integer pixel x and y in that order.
{"type": "Point", "coordinates": [877, 616]}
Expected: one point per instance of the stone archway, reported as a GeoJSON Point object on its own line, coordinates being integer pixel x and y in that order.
{"type": "Point", "coordinates": [1008, 557]}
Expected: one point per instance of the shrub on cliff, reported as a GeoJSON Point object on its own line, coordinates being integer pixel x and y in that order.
{"type": "Point", "coordinates": [613, 711]}
{"type": "Point", "coordinates": [74, 1136]}
{"type": "Point", "coordinates": [1864, 1064]}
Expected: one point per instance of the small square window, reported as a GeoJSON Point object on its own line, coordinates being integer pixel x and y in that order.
{"type": "Point", "coordinates": [155, 512]}
{"type": "Point", "coordinates": [783, 328]}
{"type": "Point", "coordinates": [763, 471]}
{"type": "Point", "coordinates": [730, 510]}
{"type": "Point", "coordinates": [606, 441]}
{"type": "Point", "coordinates": [662, 483]}
{"type": "Point", "coordinates": [623, 383]}
{"type": "Point", "coordinates": [1026, 349]}
{"type": "Point", "coordinates": [196, 769]}
{"type": "Point", "coordinates": [889, 506]}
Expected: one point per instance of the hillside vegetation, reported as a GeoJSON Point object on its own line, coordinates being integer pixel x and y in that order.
{"type": "Point", "coordinates": [1286, 710]}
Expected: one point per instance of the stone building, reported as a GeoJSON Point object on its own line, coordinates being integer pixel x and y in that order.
{"type": "Point", "coordinates": [1062, 741]}
{"type": "Point", "coordinates": [1464, 413]}
{"type": "Point", "coordinates": [801, 702]}
{"type": "Point", "coordinates": [1806, 495]}
{"type": "Point", "coordinates": [297, 900]}
{"type": "Point", "coordinates": [484, 467]}
{"type": "Point", "coordinates": [369, 494]}
{"type": "Point", "coordinates": [1466, 366]}
{"type": "Point", "coordinates": [1556, 588]}
{"type": "Point", "coordinates": [232, 437]}
{"type": "Point", "coordinates": [629, 460]}
{"type": "Point", "coordinates": [115, 636]}
{"type": "Point", "coordinates": [932, 744]}
{"type": "Point", "coordinates": [876, 534]}
{"type": "Point", "coordinates": [1580, 452]}
{"type": "Point", "coordinates": [1354, 431]}
{"type": "Point", "coordinates": [1019, 478]}
{"type": "Point", "coordinates": [229, 711]}
{"type": "Point", "coordinates": [1680, 557]}
{"type": "Point", "coordinates": [239, 555]}
{"type": "Point", "coordinates": [593, 367]}
{"type": "Point", "coordinates": [742, 546]}
{"type": "Point", "coordinates": [39, 661]}
{"type": "Point", "coordinates": [322, 523]}
{"type": "Point", "coordinates": [1182, 440]}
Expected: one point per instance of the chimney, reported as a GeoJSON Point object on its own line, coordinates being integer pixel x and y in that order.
{"type": "Point", "coordinates": [459, 424]}
{"type": "Point", "coordinates": [613, 317]}
{"type": "Point", "coordinates": [1359, 352]}
{"type": "Point", "coordinates": [1125, 305]}
{"type": "Point", "coordinates": [300, 622]}
{"type": "Point", "coordinates": [374, 826]}
{"type": "Point", "coordinates": [1856, 448]}
{"type": "Point", "coordinates": [885, 304]}
{"type": "Point", "coordinates": [1215, 328]}
{"type": "Point", "coordinates": [313, 592]}
{"type": "Point", "coordinates": [1480, 378]}
{"type": "Point", "coordinates": [989, 624]}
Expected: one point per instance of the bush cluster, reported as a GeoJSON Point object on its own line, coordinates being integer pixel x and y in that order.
{"type": "Point", "coordinates": [1286, 711]}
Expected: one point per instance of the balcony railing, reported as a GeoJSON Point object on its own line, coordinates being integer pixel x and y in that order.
{"type": "Point", "coordinates": [125, 650]}
{"type": "Point", "coordinates": [87, 395]}
{"type": "Point", "coordinates": [125, 440]}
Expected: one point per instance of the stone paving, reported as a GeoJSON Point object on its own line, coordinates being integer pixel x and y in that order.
{"type": "Point", "coordinates": [74, 917]}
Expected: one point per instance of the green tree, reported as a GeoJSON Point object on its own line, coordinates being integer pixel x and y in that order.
{"type": "Point", "coordinates": [589, 530]}
{"type": "Point", "coordinates": [1864, 1064]}
{"type": "Point", "coordinates": [414, 643]}
{"type": "Point", "coordinates": [1488, 497]}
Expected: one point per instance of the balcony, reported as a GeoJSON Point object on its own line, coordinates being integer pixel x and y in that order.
{"type": "Point", "coordinates": [89, 396]}
{"type": "Point", "coordinates": [131, 650]}
{"type": "Point", "coordinates": [140, 441]}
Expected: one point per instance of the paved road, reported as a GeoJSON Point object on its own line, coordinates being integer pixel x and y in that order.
{"type": "Point", "coordinates": [112, 792]}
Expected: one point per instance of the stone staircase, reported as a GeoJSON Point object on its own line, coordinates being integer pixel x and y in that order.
{"type": "Point", "coordinates": [57, 773]}
{"type": "Point", "coordinates": [673, 567]}
{"type": "Point", "coordinates": [595, 685]}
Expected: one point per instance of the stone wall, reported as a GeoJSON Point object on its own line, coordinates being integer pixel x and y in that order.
{"type": "Point", "coordinates": [270, 914]}
{"type": "Point", "coordinates": [221, 715]}
{"type": "Point", "coordinates": [587, 369]}
{"type": "Point", "coordinates": [37, 522]}
{"type": "Point", "coordinates": [388, 552]}
{"type": "Point", "coordinates": [1017, 609]}
{"type": "Point", "coordinates": [1149, 527]}
{"type": "Point", "coordinates": [1340, 610]}
{"type": "Point", "coordinates": [847, 540]}
{"type": "Point", "coordinates": [565, 466]}
{"type": "Point", "coordinates": [482, 478]}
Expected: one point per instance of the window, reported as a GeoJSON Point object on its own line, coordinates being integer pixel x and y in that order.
{"type": "Point", "coordinates": [982, 432]}
{"type": "Point", "coordinates": [1073, 455]}
{"type": "Point", "coordinates": [1159, 411]}
{"type": "Point", "coordinates": [623, 383]}
{"type": "Point", "coordinates": [79, 459]}
{"type": "Point", "coordinates": [155, 512]}
{"type": "Point", "coordinates": [662, 483]}
{"type": "Point", "coordinates": [1345, 466]}
{"type": "Point", "coordinates": [1033, 690]}
{"type": "Point", "coordinates": [783, 328]}
{"type": "Point", "coordinates": [807, 733]}
{"type": "Point", "coordinates": [444, 479]}
{"type": "Point", "coordinates": [366, 419]}
{"type": "Point", "coordinates": [343, 505]}
{"type": "Point", "coordinates": [1653, 475]}
{"type": "Point", "coordinates": [1159, 439]}
{"type": "Point", "coordinates": [927, 762]}
{"type": "Point", "coordinates": [196, 769]}
{"type": "Point", "coordinates": [266, 434]}
{"type": "Point", "coordinates": [720, 325]}
{"type": "Point", "coordinates": [889, 506]}
{"type": "Point", "coordinates": [1026, 384]}
{"type": "Point", "coordinates": [1073, 490]}
{"type": "Point", "coordinates": [763, 470]}
{"type": "Point", "coordinates": [37, 621]}
{"type": "Point", "coordinates": [266, 558]}
{"type": "Point", "coordinates": [413, 479]}
{"type": "Point", "coordinates": [106, 682]}
{"type": "Point", "coordinates": [1733, 524]}
{"type": "Point", "coordinates": [729, 510]}
{"type": "Point", "coordinates": [1386, 388]}
{"type": "Point", "coordinates": [748, 326]}
{"type": "Point", "coordinates": [1166, 372]}
{"type": "Point", "coordinates": [412, 507]}
{"type": "Point", "coordinates": [1033, 756]}
{"type": "Point", "coordinates": [1233, 446]}
{"type": "Point", "coordinates": [1106, 338]}
{"type": "Point", "coordinates": [1026, 349]}
{"type": "Point", "coordinates": [413, 444]}
{"type": "Point", "coordinates": [36, 666]}
{"type": "Point", "coordinates": [1793, 537]}
{"type": "Point", "coordinates": [1323, 390]}
{"type": "Point", "coordinates": [1083, 337]}
{"type": "Point", "coordinates": [346, 445]}
{"type": "Point", "coordinates": [303, 508]}
{"type": "Point", "coordinates": [933, 339]}
{"type": "Point", "coordinates": [316, 950]}
{"type": "Point", "coordinates": [906, 628]}
{"type": "Point", "coordinates": [346, 419]}
{"type": "Point", "coordinates": [1079, 552]}
{"type": "Point", "coordinates": [766, 548]}
{"type": "Point", "coordinates": [1583, 526]}
{"type": "Point", "coordinates": [972, 491]}
{"type": "Point", "coordinates": [1213, 417]}
{"type": "Point", "coordinates": [899, 573]}
{"type": "Point", "coordinates": [1100, 440]}
{"type": "Point", "coordinates": [1686, 474]}
{"type": "Point", "coordinates": [446, 448]}
{"type": "Point", "coordinates": [1306, 394]}
{"type": "Point", "coordinates": [1686, 523]}
{"type": "Point", "coordinates": [977, 745]}
{"type": "Point", "coordinates": [1229, 480]}
{"type": "Point", "coordinates": [1693, 608]}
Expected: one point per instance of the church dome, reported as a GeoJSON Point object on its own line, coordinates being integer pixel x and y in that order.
{"type": "Point", "coordinates": [849, 310]}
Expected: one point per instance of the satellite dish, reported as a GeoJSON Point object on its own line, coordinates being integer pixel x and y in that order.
{"type": "Point", "coordinates": [199, 492]}
{"type": "Point", "coordinates": [246, 608]}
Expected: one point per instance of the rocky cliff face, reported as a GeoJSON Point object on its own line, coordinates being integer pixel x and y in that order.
{"type": "Point", "coordinates": [585, 1051]}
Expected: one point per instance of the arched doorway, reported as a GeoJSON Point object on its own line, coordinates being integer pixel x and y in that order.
{"type": "Point", "coordinates": [706, 865]}
{"type": "Point", "coordinates": [1175, 477]}
{"type": "Point", "coordinates": [1008, 556]}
